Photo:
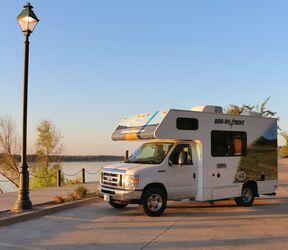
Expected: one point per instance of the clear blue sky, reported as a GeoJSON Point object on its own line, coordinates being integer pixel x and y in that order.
{"type": "Point", "coordinates": [92, 62]}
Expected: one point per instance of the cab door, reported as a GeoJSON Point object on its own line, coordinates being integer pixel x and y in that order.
{"type": "Point", "coordinates": [182, 179]}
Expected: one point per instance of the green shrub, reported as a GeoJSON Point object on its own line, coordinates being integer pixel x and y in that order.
{"type": "Point", "coordinates": [81, 191]}
{"type": "Point", "coordinates": [43, 176]}
{"type": "Point", "coordinates": [71, 197]}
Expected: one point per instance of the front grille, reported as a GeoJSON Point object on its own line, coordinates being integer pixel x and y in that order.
{"type": "Point", "coordinates": [111, 179]}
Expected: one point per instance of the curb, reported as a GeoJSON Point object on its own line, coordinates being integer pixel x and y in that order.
{"type": "Point", "coordinates": [45, 211]}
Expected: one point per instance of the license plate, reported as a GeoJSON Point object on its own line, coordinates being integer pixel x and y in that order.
{"type": "Point", "coordinates": [107, 197]}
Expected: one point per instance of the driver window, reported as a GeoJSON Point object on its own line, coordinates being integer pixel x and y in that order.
{"type": "Point", "coordinates": [175, 154]}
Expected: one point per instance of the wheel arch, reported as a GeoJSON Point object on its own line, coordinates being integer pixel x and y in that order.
{"type": "Point", "coordinates": [253, 184]}
{"type": "Point", "coordinates": [155, 185]}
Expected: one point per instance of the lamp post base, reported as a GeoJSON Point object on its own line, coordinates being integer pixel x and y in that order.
{"type": "Point", "coordinates": [23, 202]}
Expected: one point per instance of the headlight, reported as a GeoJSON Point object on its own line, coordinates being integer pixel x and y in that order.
{"type": "Point", "coordinates": [131, 181]}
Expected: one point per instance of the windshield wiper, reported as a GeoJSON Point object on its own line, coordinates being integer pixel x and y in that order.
{"type": "Point", "coordinates": [142, 161]}
{"type": "Point", "coordinates": [129, 161]}
{"type": "Point", "coordinates": [152, 162]}
{"type": "Point", "coordinates": [138, 161]}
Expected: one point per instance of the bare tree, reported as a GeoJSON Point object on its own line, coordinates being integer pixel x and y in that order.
{"type": "Point", "coordinates": [9, 148]}
{"type": "Point", "coordinates": [237, 110]}
{"type": "Point", "coordinates": [263, 111]}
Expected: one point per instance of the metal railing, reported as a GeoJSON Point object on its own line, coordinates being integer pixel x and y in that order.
{"type": "Point", "coordinates": [83, 172]}
{"type": "Point", "coordinates": [59, 173]}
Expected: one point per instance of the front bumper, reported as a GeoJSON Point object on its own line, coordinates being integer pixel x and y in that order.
{"type": "Point", "coordinates": [121, 196]}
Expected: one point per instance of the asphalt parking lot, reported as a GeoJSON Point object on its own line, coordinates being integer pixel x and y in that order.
{"type": "Point", "coordinates": [183, 226]}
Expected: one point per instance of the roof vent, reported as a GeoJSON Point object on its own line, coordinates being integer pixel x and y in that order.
{"type": "Point", "coordinates": [208, 108]}
{"type": "Point", "coordinates": [251, 113]}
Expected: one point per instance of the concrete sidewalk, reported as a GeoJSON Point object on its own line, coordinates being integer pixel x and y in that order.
{"type": "Point", "coordinates": [40, 196]}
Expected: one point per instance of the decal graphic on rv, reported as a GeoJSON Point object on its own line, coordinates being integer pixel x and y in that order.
{"type": "Point", "coordinates": [230, 122]}
{"type": "Point", "coordinates": [141, 126]}
{"type": "Point", "coordinates": [260, 163]}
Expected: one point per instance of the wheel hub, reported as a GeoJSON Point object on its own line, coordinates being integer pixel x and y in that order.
{"type": "Point", "coordinates": [155, 202]}
{"type": "Point", "coordinates": [247, 195]}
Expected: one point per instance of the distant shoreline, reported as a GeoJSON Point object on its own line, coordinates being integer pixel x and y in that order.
{"type": "Point", "coordinates": [92, 158]}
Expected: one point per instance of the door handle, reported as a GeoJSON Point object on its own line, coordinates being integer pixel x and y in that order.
{"type": "Point", "coordinates": [194, 175]}
{"type": "Point", "coordinates": [161, 171]}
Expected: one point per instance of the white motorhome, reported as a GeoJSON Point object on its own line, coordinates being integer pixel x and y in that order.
{"type": "Point", "coordinates": [200, 154]}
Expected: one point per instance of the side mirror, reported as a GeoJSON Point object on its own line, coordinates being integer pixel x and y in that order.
{"type": "Point", "coordinates": [182, 158]}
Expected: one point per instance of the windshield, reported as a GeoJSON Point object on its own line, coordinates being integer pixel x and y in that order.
{"type": "Point", "coordinates": [150, 153]}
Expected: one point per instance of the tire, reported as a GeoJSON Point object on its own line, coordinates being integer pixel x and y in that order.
{"type": "Point", "coordinates": [153, 202]}
{"type": "Point", "coordinates": [117, 205]}
{"type": "Point", "coordinates": [247, 197]}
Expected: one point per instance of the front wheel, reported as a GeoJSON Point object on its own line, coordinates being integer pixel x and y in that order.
{"type": "Point", "coordinates": [153, 202]}
{"type": "Point", "coordinates": [247, 197]}
{"type": "Point", "coordinates": [117, 205]}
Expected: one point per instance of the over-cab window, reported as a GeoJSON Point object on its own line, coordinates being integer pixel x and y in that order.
{"type": "Point", "coordinates": [228, 143]}
{"type": "Point", "coordinates": [187, 123]}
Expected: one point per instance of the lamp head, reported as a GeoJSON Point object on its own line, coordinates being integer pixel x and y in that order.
{"type": "Point", "coordinates": [27, 19]}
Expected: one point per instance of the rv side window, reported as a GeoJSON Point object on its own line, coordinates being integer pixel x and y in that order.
{"type": "Point", "coordinates": [228, 143]}
{"type": "Point", "coordinates": [187, 123]}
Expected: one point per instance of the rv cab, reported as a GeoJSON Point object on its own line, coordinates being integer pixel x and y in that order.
{"type": "Point", "coordinates": [175, 161]}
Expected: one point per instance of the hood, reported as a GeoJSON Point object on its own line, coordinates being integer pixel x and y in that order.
{"type": "Point", "coordinates": [125, 167]}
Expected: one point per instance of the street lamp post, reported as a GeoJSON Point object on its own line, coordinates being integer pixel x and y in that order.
{"type": "Point", "coordinates": [27, 21]}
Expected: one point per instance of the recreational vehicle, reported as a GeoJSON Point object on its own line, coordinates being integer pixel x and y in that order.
{"type": "Point", "coordinates": [200, 154]}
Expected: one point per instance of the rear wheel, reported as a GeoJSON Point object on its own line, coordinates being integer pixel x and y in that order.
{"type": "Point", "coordinates": [153, 202]}
{"type": "Point", "coordinates": [117, 205]}
{"type": "Point", "coordinates": [247, 196]}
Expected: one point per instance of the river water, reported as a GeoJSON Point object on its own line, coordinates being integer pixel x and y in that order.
{"type": "Point", "coordinates": [69, 170]}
